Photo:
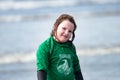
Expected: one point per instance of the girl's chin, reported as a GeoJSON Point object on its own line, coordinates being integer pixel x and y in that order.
{"type": "Point", "coordinates": [63, 41]}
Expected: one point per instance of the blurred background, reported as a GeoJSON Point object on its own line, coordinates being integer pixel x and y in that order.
{"type": "Point", "coordinates": [24, 24]}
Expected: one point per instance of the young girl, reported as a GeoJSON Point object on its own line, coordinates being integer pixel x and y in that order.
{"type": "Point", "coordinates": [56, 56]}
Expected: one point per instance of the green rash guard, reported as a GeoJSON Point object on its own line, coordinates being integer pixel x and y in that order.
{"type": "Point", "coordinates": [59, 60]}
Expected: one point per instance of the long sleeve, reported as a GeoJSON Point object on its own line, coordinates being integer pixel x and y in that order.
{"type": "Point", "coordinates": [41, 75]}
{"type": "Point", "coordinates": [78, 75]}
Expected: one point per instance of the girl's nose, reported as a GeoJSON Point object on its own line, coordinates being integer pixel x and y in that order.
{"type": "Point", "coordinates": [66, 32]}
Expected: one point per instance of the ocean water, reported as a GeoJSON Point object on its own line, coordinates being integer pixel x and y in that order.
{"type": "Point", "coordinates": [95, 67]}
{"type": "Point", "coordinates": [24, 27]}
{"type": "Point", "coordinates": [101, 67]}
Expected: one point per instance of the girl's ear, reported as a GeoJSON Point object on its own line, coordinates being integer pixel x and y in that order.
{"type": "Point", "coordinates": [71, 37]}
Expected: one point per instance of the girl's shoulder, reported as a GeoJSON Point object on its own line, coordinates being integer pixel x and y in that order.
{"type": "Point", "coordinates": [47, 43]}
{"type": "Point", "coordinates": [71, 44]}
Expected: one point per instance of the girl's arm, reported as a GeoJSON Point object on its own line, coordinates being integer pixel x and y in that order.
{"type": "Point", "coordinates": [41, 75]}
{"type": "Point", "coordinates": [78, 75]}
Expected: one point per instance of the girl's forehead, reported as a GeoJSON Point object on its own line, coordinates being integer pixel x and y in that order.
{"type": "Point", "coordinates": [67, 23]}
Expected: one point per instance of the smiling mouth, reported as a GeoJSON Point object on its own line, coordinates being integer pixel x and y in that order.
{"type": "Point", "coordinates": [65, 36]}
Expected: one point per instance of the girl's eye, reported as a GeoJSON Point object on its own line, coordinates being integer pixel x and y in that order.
{"type": "Point", "coordinates": [70, 31]}
{"type": "Point", "coordinates": [64, 28]}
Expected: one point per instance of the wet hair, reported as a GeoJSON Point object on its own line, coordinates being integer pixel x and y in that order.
{"type": "Point", "coordinates": [60, 19]}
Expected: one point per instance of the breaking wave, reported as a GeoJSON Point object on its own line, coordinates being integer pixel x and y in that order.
{"type": "Point", "coordinates": [30, 57]}
{"type": "Point", "coordinates": [13, 11]}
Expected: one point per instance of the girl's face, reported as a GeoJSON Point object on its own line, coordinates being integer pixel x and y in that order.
{"type": "Point", "coordinates": [64, 31]}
